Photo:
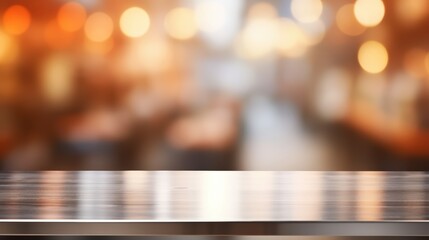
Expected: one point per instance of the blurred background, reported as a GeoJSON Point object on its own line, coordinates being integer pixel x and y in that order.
{"type": "Point", "coordinates": [214, 85]}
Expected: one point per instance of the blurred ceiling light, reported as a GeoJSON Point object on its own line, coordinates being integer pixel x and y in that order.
{"type": "Point", "coordinates": [99, 27]}
{"type": "Point", "coordinates": [347, 22]}
{"type": "Point", "coordinates": [369, 13]}
{"type": "Point", "coordinates": [57, 79]}
{"type": "Point", "coordinates": [8, 49]}
{"type": "Point", "coordinates": [291, 41]}
{"type": "Point", "coordinates": [411, 12]}
{"type": "Point", "coordinates": [258, 38]}
{"type": "Point", "coordinates": [180, 23]}
{"type": "Point", "coordinates": [262, 10]}
{"type": "Point", "coordinates": [71, 16]}
{"type": "Point", "coordinates": [373, 57]}
{"type": "Point", "coordinates": [210, 16]}
{"type": "Point", "coordinates": [55, 37]}
{"type": "Point", "coordinates": [134, 22]}
{"type": "Point", "coordinates": [16, 20]}
{"type": "Point", "coordinates": [414, 63]}
{"type": "Point", "coordinates": [306, 11]}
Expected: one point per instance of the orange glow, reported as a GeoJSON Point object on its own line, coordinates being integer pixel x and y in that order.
{"type": "Point", "coordinates": [99, 27]}
{"type": "Point", "coordinates": [71, 16]}
{"type": "Point", "coordinates": [16, 20]}
{"type": "Point", "coordinates": [411, 12]}
{"type": "Point", "coordinates": [57, 78]}
{"type": "Point", "coordinates": [8, 49]}
{"type": "Point", "coordinates": [55, 37]}
{"type": "Point", "coordinates": [427, 62]}
{"type": "Point", "coordinates": [414, 63]}
{"type": "Point", "coordinates": [99, 48]}
{"type": "Point", "coordinates": [347, 22]}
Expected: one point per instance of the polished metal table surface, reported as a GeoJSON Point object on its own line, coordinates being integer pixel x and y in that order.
{"type": "Point", "coordinates": [214, 203]}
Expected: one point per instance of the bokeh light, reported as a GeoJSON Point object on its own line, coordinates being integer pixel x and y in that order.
{"type": "Point", "coordinates": [8, 49]}
{"type": "Point", "coordinates": [99, 27]}
{"type": "Point", "coordinates": [210, 16]}
{"type": "Point", "coordinates": [180, 23]}
{"type": "Point", "coordinates": [373, 57]}
{"type": "Point", "coordinates": [306, 10]}
{"type": "Point", "coordinates": [150, 55]}
{"type": "Point", "coordinates": [258, 38]}
{"type": "Point", "coordinates": [291, 41]}
{"type": "Point", "coordinates": [57, 78]}
{"type": "Point", "coordinates": [369, 13]}
{"type": "Point", "coordinates": [55, 37]}
{"type": "Point", "coordinates": [134, 22]}
{"type": "Point", "coordinates": [347, 22]}
{"type": "Point", "coordinates": [71, 16]}
{"type": "Point", "coordinates": [16, 20]}
{"type": "Point", "coordinates": [411, 12]}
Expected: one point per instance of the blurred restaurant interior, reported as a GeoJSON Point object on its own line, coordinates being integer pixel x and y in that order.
{"type": "Point", "coordinates": [214, 85]}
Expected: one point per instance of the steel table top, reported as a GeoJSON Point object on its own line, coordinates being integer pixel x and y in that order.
{"type": "Point", "coordinates": [214, 203]}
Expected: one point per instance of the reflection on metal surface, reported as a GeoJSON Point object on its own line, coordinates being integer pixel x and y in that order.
{"type": "Point", "coordinates": [162, 202]}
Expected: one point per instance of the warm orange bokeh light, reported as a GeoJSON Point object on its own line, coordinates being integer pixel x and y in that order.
{"type": "Point", "coordinates": [99, 27]}
{"type": "Point", "coordinates": [55, 37]}
{"type": "Point", "coordinates": [71, 16]}
{"type": "Point", "coordinates": [347, 22]}
{"type": "Point", "coordinates": [16, 20]}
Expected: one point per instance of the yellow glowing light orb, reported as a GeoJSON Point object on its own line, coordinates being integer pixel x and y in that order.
{"type": "Point", "coordinates": [347, 22]}
{"type": "Point", "coordinates": [180, 23]}
{"type": "Point", "coordinates": [99, 27]}
{"type": "Point", "coordinates": [373, 57]}
{"type": "Point", "coordinates": [306, 11]}
{"type": "Point", "coordinates": [134, 22]}
{"type": "Point", "coordinates": [71, 16]}
{"type": "Point", "coordinates": [369, 13]}
{"type": "Point", "coordinates": [16, 20]}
